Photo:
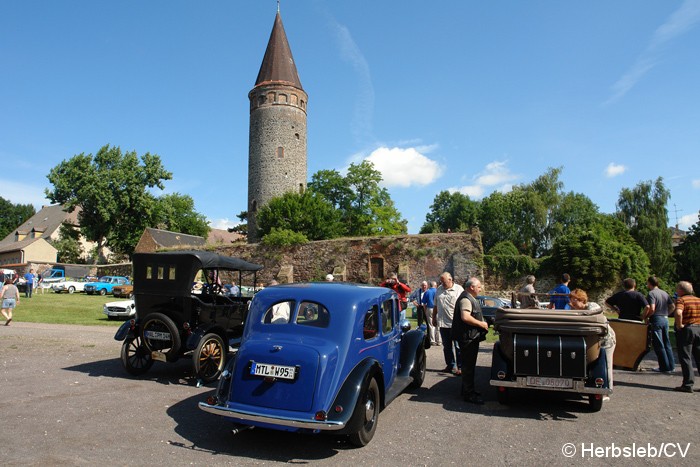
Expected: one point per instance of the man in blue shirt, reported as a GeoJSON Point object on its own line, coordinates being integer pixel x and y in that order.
{"type": "Point", "coordinates": [29, 284]}
{"type": "Point", "coordinates": [428, 301]}
{"type": "Point", "coordinates": [561, 300]}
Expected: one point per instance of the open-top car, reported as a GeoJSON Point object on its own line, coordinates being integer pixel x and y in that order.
{"type": "Point", "coordinates": [554, 350]}
{"type": "Point", "coordinates": [320, 357]}
{"type": "Point", "coordinates": [182, 309]}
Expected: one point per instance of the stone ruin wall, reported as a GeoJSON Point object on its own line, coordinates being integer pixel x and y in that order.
{"type": "Point", "coordinates": [369, 259]}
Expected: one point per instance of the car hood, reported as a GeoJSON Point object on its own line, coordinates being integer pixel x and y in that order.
{"type": "Point", "coordinates": [120, 304]}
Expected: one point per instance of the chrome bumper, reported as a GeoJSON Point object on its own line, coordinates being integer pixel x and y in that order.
{"type": "Point", "coordinates": [276, 420]}
{"type": "Point", "coordinates": [579, 386]}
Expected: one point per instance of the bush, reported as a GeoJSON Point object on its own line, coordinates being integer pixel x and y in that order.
{"type": "Point", "coordinates": [284, 237]}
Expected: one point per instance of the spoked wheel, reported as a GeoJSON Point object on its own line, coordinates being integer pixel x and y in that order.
{"type": "Point", "coordinates": [136, 358]}
{"type": "Point", "coordinates": [368, 410]}
{"type": "Point", "coordinates": [418, 371]}
{"type": "Point", "coordinates": [209, 358]}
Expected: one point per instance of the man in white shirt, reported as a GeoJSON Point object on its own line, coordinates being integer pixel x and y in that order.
{"type": "Point", "coordinates": [445, 300]}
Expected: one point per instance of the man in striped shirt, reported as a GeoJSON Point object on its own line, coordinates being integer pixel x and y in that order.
{"type": "Point", "coordinates": [687, 333]}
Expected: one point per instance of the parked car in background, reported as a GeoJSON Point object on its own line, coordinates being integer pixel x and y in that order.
{"type": "Point", "coordinates": [120, 309]}
{"type": "Point", "coordinates": [105, 285]}
{"type": "Point", "coordinates": [124, 291]}
{"type": "Point", "coordinates": [318, 357]}
{"type": "Point", "coordinates": [489, 305]}
{"type": "Point", "coordinates": [70, 286]}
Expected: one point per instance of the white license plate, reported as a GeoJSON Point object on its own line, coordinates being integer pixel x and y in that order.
{"type": "Point", "coordinates": [546, 382]}
{"type": "Point", "coordinates": [158, 356]}
{"type": "Point", "coordinates": [157, 335]}
{"type": "Point", "coordinates": [275, 371]}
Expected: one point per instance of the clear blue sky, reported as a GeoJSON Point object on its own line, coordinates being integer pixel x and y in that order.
{"type": "Point", "coordinates": [466, 95]}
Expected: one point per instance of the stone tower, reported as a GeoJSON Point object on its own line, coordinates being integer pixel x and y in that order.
{"type": "Point", "coordinates": [277, 141]}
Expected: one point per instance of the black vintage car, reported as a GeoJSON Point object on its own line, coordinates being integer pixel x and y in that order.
{"type": "Point", "coordinates": [182, 308]}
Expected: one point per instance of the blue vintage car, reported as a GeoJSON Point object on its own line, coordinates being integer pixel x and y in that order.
{"type": "Point", "coordinates": [320, 357]}
{"type": "Point", "coordinates": [105, 285]}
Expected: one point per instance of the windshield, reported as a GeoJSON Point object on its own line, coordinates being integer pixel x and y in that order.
{"type": "Point", "coordinates": [104, 279]}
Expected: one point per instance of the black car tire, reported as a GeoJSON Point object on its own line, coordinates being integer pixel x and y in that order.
{"type": "Point", "coordinates": [595, 403]}
{"type": "Point", "coordinates": [103, 292]}
{"type": "Point", "coordinates": [503, 395]}
{"type": "Point", "coordinates": [135, 357]}
{"type": "Point", "coordinates": [161, 323]}
{"type": "Point", "coordinates": [367, 409]}
{"type": "Point", "coordinates": [418, 370]}
{"type": "Point", "coordinates": [209, 358]}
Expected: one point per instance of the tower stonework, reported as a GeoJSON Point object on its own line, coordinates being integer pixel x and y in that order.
{"type": "Point", "coordinates": [277, 138]}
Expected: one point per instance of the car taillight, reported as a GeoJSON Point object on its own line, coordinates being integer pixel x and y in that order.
{"type": "Point", "coordinates": [320, 416]}
{"type": "Point", "coordinates": [599, 382]}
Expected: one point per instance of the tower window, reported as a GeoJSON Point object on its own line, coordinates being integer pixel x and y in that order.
{"type": "Point", "coordinates": [301, 188]}
{"type": "Point", "coordinates": [280, 152]}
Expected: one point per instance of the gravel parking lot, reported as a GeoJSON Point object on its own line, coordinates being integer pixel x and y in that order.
{"type": "Point", "coordinates": [67, 401]}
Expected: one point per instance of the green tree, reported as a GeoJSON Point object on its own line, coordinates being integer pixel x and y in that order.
{"type": "Point", "coordinates": [601, 256]}
{"type": "Point", "coordinates": [111, 189]}
{"type": "Point", "coordinates": [68, 245]}
{"type": "Point", "coordinates": [643, 209]}
{"type": "Point", "coordinates": [365, 207]}
{"type": "Point", "coordinates": [574, 210]}
{"type": "Point", "coordinates": [451, 211]}
{"type": "Point", "coordinates": [307, 213]}
{"type": "Point", "coordinates": [518, 216]}
{"type": "Point", "coordinates": [13, 215]}
{"type": "Point", "coordinates": [176, 213]}
{"type": "Point", "coordinates": [688, 256]}
{"type": "Point", "coordinates": [241, 228]}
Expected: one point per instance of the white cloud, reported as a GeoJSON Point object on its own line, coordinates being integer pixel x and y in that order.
{"type": "Point", "coordinates": [23, 193]}
{"type": "Point", "coordinates": [223, 223]}
{"type": "Point", "coordinates": [473, 191]}
{"type": "Point", "coordinates": [681, 21]}
{"type": "Point", "coordinates": [687, 221]}
{"type": "Point", "coordinates": [696, 183]}
{"type": "Point", "coordinates": [495, 173]}
{"type": "Point", "coordinates": [404, 167]}
{"type": "Point", "coordinates": [613, 170]}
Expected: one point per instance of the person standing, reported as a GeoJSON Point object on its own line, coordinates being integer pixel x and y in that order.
{"type": "Point", "coordinates": [660, 304]}
{"type": "Point", "coordinates": [629, 303]}
{"type": "Point", "coordinates": [399, 287]}
{"type": "Point", "coordinates": [445, 299]}
{"type": "Point", "coordinates": [687, 333]}
{"type": "Point", "coordinates": [578, 300]}
{"type": "Point", "coordinates": [29, 283]}
{"type": "Point", "coordinates": [428, 302]}
{"type": "Point", "coordinates": [10, 299]}
{"type": "Point", "coordinates": [560, 299]}
{"type": "Point", "coordinates": [416, 299]}
{"type": "Point", "coordinates": [526, 295]}
{"type": "Point", "coordinates": [468, 329]}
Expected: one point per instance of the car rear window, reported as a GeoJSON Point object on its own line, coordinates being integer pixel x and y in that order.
{"type": "Point", "coordinates": [313, 314]}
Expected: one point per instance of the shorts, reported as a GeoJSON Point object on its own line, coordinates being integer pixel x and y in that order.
{"type": "Point", "coordinates": [9, 303]}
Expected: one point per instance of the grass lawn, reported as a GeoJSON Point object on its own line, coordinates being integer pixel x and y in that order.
{"type": "Point", "coordinates": [54, 308]}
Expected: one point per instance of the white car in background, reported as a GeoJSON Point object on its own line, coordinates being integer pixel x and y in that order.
{"type": "Point", "coordinates": [120, 309]}
{"type": "Point", "coordinates": [69, 286]}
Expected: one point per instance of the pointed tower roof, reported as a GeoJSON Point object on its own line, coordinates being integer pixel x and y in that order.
{"type": "Point", "coordinates": [278, 64]}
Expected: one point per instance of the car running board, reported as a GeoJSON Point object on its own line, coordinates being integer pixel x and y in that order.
{"type": "Point", "coordinates": [400, 383]}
